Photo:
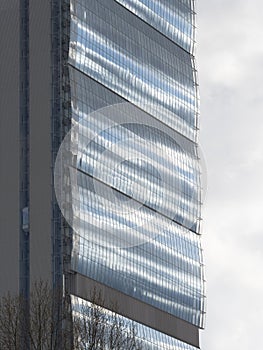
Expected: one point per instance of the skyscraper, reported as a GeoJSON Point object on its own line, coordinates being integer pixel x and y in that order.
{"type": "Point", "coordinates": [109, 165]}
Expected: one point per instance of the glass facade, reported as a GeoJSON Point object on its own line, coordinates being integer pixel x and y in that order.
{"type": "Point", "coordinates": [146, 338]}
{"type": "Point", "coordinates": [137, 164]}
{"type": "Point", "coordinates": [111, 46]}
{"type": "Point", "coordinates": [175, 19]}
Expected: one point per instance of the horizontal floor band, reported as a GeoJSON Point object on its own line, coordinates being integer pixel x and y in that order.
{"type": "Point", "coordinates": [135, 309]}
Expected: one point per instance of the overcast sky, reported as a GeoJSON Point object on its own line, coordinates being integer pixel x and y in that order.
{"type": "Point", "coordinates": [230, 63]}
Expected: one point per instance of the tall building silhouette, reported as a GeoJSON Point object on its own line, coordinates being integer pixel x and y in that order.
{"type": "Point", "coordinates": [101, 180]}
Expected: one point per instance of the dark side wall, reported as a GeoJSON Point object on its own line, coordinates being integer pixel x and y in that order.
{"type": "Point", "coordinates": [40, 141]}
{"type": "Point", "coordinates": [9, 145]}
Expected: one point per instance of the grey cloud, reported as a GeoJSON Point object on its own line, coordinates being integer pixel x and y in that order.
{"type": "Point", "coordinates": [230, 56]}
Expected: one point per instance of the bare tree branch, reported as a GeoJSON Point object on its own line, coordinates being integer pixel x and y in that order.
{"type": "Point", "coordinates": [93, 326]}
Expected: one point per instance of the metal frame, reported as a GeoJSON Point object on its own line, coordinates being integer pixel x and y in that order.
{"type": "Point", "coordinates": [24, 196]}
{"type": "Point", "coordinates": [61, 233]}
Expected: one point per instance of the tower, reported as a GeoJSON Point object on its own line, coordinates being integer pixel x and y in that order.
{"type": "Point", "coordinates": [119, 121]}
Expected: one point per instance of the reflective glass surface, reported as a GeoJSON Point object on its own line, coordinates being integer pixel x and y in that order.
{"type": "Point", "coordinates": [155, 272]}
{"type": "Point", "coordinates": [147, 338]}
{"type": "Point", "coordinates": [135, 61]}
{"type": "Point", "coordinates": [175, 19]}
{"type": "Point", "coordinates": [166, 270]}
{"type": "Point", "coordinates": [150, 166]}
{"type": "Point", "coordinates": [167, 175]}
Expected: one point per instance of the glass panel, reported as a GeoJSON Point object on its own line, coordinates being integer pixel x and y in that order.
{"type": "Point", "coordinates": [135, 61]}
{"type": "Point", "coordinates": [175, 19]}
{"type": "Point", "coordinates": [145, 337]}
{"type": "Point", "coordinates": [114, 58]}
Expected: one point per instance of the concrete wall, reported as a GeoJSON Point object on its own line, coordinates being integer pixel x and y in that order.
{"type": "Point", "coordinates": [9, 145]}
{"type": "Point", "coordinates": [40, 143]}
{"type": "Point", "coordinates": [40, 139]}
{"type": "Point", "coordinates": [134, 309]}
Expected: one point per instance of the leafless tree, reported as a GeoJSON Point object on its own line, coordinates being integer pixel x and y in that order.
{"type": "Point", "coordinates": [96, 328]}
{"type": "Point", "coordinates": [9, 323]}
{"type": "Point", "coordinates": [93, 326]}
{"type": "Point", "coordinates": [41, 328]}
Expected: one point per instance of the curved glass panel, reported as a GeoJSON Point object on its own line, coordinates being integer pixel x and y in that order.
{"type": "Point", "coordinates": [145, 337]}
{"type": "Point", "coordinates": [166, 271]}
{"type": "Point", "coordinates": [114, 57]}
{"type": "Point", "coordinates": [139, 160]}
{"type": "Point", "coordinates": [175, 19]}
{"type": "Point", "coordinates": [134, 61]}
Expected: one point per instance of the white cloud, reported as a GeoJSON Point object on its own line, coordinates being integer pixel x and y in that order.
{"type": "Point", "coordinates": [230, 55]}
